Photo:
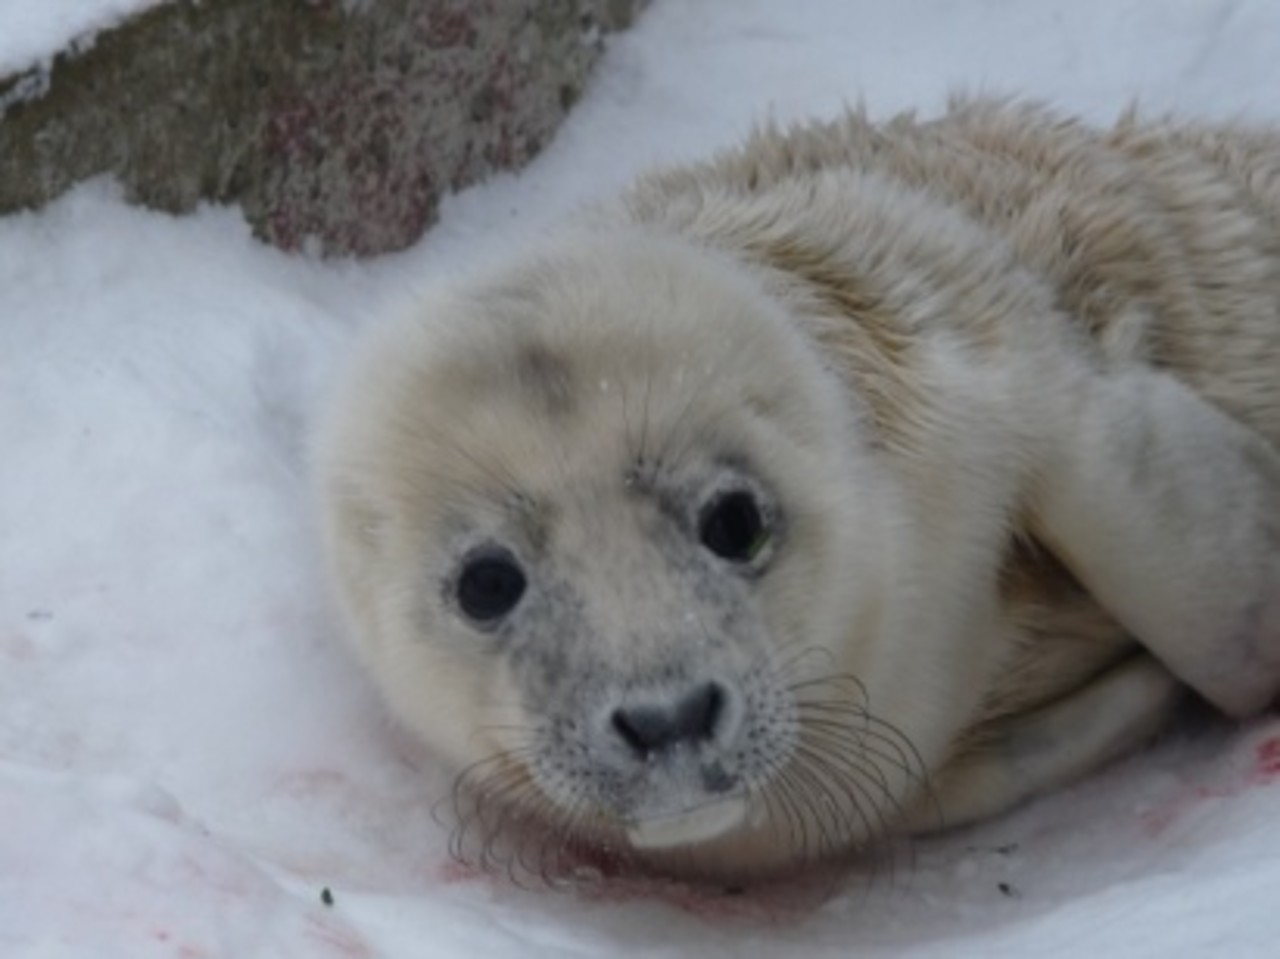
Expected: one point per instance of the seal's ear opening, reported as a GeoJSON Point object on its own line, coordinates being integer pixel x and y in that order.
{"type": "Point", "coordinates": [1168, 511]}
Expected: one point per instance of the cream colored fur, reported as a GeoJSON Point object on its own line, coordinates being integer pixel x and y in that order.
{"type": "Point", "coordinates": [1015, 383]}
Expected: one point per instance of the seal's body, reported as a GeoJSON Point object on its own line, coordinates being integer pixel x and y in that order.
{"type": "Point", "coordinates": [862, 480]}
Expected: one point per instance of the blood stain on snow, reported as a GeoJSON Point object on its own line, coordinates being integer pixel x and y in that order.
{"type": "Point", "coordinates": [1265, 772]}
{"type": "Point", "coordinates": [452, 872]}
{"type": "Point", "coordinates": [782, 902]}
{"type": "Point", "coordinates": [17, 646]}
{"type": "Point", "coordinates": [776, 903]}
{"type": "Point", "coordinates": [342, 941]}
{"type": "Point", "coordinates": [184, 950]}
{"type": "Point", "coordinates": [1267, 769]}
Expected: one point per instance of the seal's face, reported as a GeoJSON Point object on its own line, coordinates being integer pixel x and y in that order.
{"type": "Point", "coordinates": [606, 559]}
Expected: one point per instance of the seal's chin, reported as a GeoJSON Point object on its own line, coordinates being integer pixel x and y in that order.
{"type": "Point", "coordinates": [689, 826]}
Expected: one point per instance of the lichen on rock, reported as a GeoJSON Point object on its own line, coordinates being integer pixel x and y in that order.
{"type": "Point", "coordinates": [338, 122]}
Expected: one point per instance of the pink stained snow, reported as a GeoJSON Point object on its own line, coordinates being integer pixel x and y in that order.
{"type": "Point", "coordinates": [188, 756]}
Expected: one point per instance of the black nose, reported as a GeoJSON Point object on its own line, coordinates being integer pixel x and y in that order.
{"type": "Point", "coordinates": [649, 728]}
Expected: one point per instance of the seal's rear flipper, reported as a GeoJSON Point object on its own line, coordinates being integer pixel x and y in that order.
{"type": "Point", "coordinates": [1168, 511]}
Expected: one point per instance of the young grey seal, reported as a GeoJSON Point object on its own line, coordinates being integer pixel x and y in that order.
{"type": "Point", "coordinates": [865, 479]}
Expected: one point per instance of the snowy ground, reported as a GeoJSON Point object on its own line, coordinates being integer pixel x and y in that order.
{"type": "Point", "coordinates": [187, 756]}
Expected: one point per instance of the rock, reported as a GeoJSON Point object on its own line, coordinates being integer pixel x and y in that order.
{"type": "Point", "coordinates": [338, 123]}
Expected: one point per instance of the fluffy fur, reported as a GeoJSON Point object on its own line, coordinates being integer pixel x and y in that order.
{"type": "Point", "coordinates": [1005, 394]}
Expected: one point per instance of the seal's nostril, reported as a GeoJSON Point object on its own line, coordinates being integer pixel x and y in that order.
{"type": "Point", "coordinates": [643, 728]}
{"type": "Point", "coordinates": [651, 728]}
{"type": "Point", "coordinates": [699, 712]}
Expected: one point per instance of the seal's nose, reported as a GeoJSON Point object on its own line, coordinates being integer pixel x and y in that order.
{"type": "Point", "coordinates": [650, 728]}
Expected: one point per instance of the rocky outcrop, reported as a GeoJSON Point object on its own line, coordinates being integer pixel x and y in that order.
{"type": "Point", "coordinates": [338, 122]}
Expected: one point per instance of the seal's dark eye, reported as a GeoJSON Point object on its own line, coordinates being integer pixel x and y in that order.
{"type": "Point", "coordinates": [733, 528]}
{"type": "Point", "coordinates": [489, 586]}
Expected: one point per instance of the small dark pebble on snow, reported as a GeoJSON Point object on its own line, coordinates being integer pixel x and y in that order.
{"type": "Point", "coordinates": [326, 896]}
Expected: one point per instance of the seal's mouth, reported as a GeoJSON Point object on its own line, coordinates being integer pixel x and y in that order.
{"type": "Point", "coordinates": [696, 824]}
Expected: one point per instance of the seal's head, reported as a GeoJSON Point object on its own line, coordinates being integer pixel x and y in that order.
{"type": "Point", "coordinates": [611, 546]}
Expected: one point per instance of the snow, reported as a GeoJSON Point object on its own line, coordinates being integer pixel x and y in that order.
{"type": "Point", "coordinates": [33, 32]}
{"type": "Point", "coordinates": [188, 756]}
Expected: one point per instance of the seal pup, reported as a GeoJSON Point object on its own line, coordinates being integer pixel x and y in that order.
{"type": "Point", "coordinates": [862, 480]}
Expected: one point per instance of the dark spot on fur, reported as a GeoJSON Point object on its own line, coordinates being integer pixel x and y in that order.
{"type": "Point", "coordinates": [545, 377]}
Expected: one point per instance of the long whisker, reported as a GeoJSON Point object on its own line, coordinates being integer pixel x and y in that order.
{"type": "Point", "coordinates": [841, 774]}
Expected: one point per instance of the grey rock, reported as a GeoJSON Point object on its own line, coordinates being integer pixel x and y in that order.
{"type": "Point", "coordinates": [334, 122]}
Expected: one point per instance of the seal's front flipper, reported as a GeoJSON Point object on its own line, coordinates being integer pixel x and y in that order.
{"type": "Point", "coordinates": [1168, 511]}
{"type": "Point", "coordinates": [1024, 755]}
